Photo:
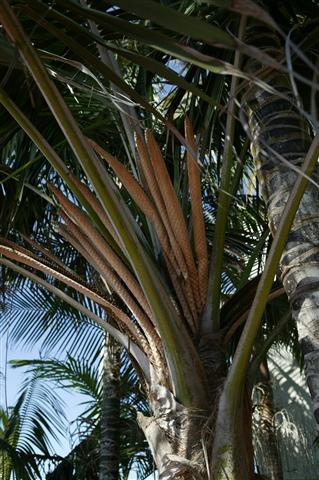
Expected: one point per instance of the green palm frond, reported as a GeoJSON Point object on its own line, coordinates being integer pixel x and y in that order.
{"type": "Point", "coordinates": [71, 374]}
{"type": "Point", "coordinates": [31, 315]}
{"type": "Point", "coordinates": [28, 430]}
{"type": "Point", "coordinates": [41, 416]}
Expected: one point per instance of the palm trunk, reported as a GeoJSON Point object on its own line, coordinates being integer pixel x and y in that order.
{"type": "Point", "coordinates": [266, 431]}
{"type": "Point", "coordinates": [174, 434]}
{"type": "Point", "coordinates": [281, 137]}
{"type": "Point", "coordinates": [110, 414]}
{"type": "Point", "coordinates": [180, 438]}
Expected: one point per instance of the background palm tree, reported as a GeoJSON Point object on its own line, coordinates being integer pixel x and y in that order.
{"type": "Point", "coordinates": [31, 316]}
{"type": "Point", "coordinates": [83, 460]}
{"type": "Point", "coordinates": [189, 345]}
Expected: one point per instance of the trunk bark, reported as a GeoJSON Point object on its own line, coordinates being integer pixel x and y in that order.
{"type": "Point", "coordinates": [110, 414]}
{"type": "Point", "coordinates": [181, 438]}
{"type": "Point", "coordinates": [174, 434]}
{"type": "Point", "coordinates": [267, 435]}
{"type": "Point", "coordinates": [281, 137]}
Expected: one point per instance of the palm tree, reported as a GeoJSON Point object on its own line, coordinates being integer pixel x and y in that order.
{"type": "Point", "coordinates": [277, 146]}
{"type": "Point", "coordinates": [151, 249]}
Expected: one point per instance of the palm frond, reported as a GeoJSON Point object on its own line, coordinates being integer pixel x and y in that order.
{"type": "Point", "coordinates": [27, 432]}
{"type": "Point", "coordinates": [31, 315]}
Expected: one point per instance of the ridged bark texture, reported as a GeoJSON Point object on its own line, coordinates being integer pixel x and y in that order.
{"type": "Point", "coordinates": [110, 414]}
{"type": "Point", "coordinates": [268, 439]}
{"type": "Point", "coordinates": [281, 137]}
{"type": "Point", "coordinates": [174, 434]}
